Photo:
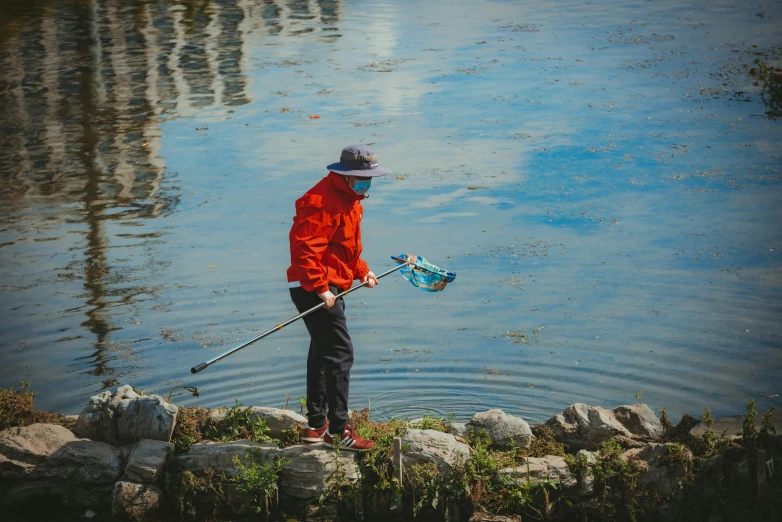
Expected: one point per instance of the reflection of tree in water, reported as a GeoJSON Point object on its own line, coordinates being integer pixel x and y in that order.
{"type": "Point", "coordinates": [84, 88]}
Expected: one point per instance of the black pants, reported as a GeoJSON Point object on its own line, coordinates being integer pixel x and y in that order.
{"type": "Point", "coordinates": [329, 360]}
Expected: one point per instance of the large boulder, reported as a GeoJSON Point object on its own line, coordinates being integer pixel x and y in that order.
{"type": "Point", "coordinates": [50, 452]}
{"type": "Point", "coordinates": [220, 456]}
{"type": "Point", "coordinates": [278, 420]}
{"type": "Point", "coordinates": [47, 463]}
{"type": "Point", "coordinates": [540, 469]}
{"type": "Point", "coordinates": [585, 427]}
{"type": "Point", "coordinates": [21, 449]}
{"type": "Point", "coordinates": [459, 429]}
{"type": "Point", "coordinates": [81, 462]}
{"type": "Point", "coordinates": [639, 420]}
{"type": "Point", "coordinates": [135, 502]}
{"type": "Point", "coordinates": [420, 446]}
{"type": "Point", "coordinates": [504, 429]}
{"type": "Point", "coordinates": [26, 491]}
{"type": "Point", "coordinates": [664, 466]}
{"type": "Point", "coordinates": [125, 417]}
{"type": "Point", "coordinates": [309, 468]}
{"type": "Point", "coordinates": [147, 459]}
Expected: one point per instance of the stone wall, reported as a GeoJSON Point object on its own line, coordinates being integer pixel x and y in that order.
{"type": "Point", "coordinates": [118, 462]}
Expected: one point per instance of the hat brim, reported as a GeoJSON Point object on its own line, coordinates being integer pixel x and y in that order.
{"type": "Point", "coordinates": [364, 173]}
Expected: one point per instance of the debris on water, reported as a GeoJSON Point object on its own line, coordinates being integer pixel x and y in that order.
{"type": "Point", "coordinates": [205, 127]}
{"type": "Point", "coordinates": [400, 177]}
{"type": "Point", "coordinates": [285, 109]}
{"type": "Point", "coordinates": [314, 117]}
{"type": "Point", "coordinates": [211, 266]}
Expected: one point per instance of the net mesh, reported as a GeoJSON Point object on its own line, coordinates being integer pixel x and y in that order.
{"type": "Point", "coordinates": [424, 274]}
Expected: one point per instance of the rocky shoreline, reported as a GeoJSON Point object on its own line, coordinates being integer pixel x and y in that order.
{"type": "Point", "coordinates": [128, 457]}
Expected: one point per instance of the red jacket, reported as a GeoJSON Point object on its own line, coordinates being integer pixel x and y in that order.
{"type": "Point", "coordinates": [326, 237]}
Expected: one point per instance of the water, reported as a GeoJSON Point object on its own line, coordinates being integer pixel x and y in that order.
{"type": "Point", "coordinates": [602, 177]}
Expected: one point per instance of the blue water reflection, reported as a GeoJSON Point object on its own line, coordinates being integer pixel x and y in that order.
{"type": "Point", "coordinates": [603, 178]}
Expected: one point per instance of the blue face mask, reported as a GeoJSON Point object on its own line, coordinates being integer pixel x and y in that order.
{"type": "Point", "coordinates": [361, 187]}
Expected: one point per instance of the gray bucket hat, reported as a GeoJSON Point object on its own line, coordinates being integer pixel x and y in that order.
{"type": "Point", "coordinates": [358, 160]}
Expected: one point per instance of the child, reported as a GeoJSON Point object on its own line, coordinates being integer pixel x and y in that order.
{"type": "Point", "coordinates": [325, 242]}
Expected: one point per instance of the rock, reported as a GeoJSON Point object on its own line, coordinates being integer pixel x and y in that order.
{"type": "Point", "coordinates": [627, 443]}
{"type": "Point", "coordinates": [663, 475]}
{"type": "Point", "coordinates": [81, 462]}
{"type": "Point", "coordinates": [126, 392]}
{"type": "Point", "coordinates": [585, 427]}
{"type": "Point", "coordinates": [219, 455]}
{"type": "Point", "coordinates": [147, 460]}
{"type": "Point", "coordinates": [443, 449]}
{"type": "Point", "coordinates": [126, 417]}
{"type": "Point", "coordinates": [540, 469]}
{"type": "Point", "coordinates": [89, 515]}
{"type": "Point", "coordinates": [22, 492]}
{"type": "Point", "coordinates": [35, 443]}
{"type": "Point", "coordinates": [135, 502]}
{"type": "Point", "coordinates": [309, 467]}
{"type": "Point", "coordinates": [639, 420]}
{"type": "Point", "coordinates": [683, 430]}
{"type": "Point", "coordinates": [503, 429]}
{"type": "Point", "coordinates": [125, 451]}
{"type": "Point", "coordinates": [145, 417]}
{"type": "Point", "coordinates": [13, 469]}
{"type": "Point", "coordinates": [278, 420]}
{"type": "Point", "coordinates": [586, 482]}
{"type": "Point", "coordinates": [459, 429]}
{"type": "Point", "coordinates": [96, 497]}
{"type": "Point", "coordinates": [96, 421]}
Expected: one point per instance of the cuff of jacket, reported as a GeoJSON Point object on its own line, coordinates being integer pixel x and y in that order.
{"type": "Point", "coordinates": [362, 273]}
{"type": "Point", "coordinates": [321, 289]}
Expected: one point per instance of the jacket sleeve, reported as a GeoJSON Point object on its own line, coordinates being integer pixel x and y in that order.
{"type": "Point", "coordinates": [309, 238]}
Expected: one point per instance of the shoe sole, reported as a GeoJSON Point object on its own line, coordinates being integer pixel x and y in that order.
{"type": "Point", "coordinates": [346, 448]}
{"type": "Point", "coordinates": [311, 439]}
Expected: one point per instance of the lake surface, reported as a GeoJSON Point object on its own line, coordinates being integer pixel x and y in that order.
{"type": "Point", "coordinates": [602, 176]}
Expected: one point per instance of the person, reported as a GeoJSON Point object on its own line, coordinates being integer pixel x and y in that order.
{"type": "Point", "coordinates": [325, 244]}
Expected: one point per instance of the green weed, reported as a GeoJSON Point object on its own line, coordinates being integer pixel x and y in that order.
{"type": "Point", "coordinates": [194, 489]}
{"type": "Point", "coordinates": [749, 432]}
{"type": "Point", "coordinates": [616, 483]}
{"type": "Point", "coordinates": [16, 409]}
{"type": "Point", "coordinates": [239, 423]}
{"type": "Point", "coordinates": [258, 481]}
{"type": "Point", "coordinates": [545, 443]}
{"type": "Point", "coordinates": [191, 427]}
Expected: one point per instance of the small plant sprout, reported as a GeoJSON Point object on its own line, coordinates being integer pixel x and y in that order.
{"type": "Point", "coordinates": [302, 404]}
{"type": "Point", "coordinates": [638, 396]}
{"type": "Point", "coordinates": [287, 398]}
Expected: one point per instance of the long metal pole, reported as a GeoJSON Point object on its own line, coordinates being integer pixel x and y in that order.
{"type": "Point", "coordinates": [204, 365]}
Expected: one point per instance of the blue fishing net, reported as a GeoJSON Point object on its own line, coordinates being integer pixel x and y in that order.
{"type": "Point", "coordinates": [424, 274]}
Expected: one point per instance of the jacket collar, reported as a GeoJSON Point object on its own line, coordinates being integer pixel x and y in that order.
{"type": "Point", "coordinates": [340, 182]}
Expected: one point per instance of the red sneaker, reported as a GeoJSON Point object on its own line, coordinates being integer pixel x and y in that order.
{"type": "Point", "coordinates": [310, 434]}
{"type": "Point", "coordinates": [349, 440]}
